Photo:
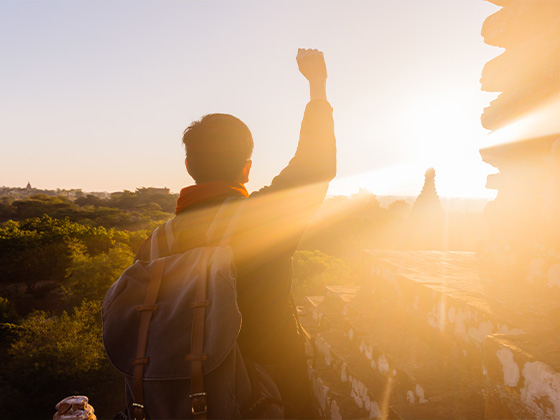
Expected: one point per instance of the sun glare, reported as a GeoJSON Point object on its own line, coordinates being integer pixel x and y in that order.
{"type": "Point", "coordinates": [393, 180]}
{"type": "Point", "coordinates": [442, 132]}
{"type": "Point", "coordinates": [540, 122]}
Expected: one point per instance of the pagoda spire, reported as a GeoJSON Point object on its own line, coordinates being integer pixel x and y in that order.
{"type": "Point", "coordinates": [427, 217]}
{"type": "Point", "coordinates": [428, 197]}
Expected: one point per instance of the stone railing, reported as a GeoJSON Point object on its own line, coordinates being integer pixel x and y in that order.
{"type": "Point", "coordinates": [425, 338]}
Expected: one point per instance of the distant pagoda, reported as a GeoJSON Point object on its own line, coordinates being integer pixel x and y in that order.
{"type": "Point", "coordinates": [428, 200]}
{"type": "Point", "coordinates": [427, 217]}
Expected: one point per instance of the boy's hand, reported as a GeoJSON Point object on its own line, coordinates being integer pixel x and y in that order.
{"type": "Point", "coordinates": [311, 64]}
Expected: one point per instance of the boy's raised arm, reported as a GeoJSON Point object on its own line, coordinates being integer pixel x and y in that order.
{"type": "Point", "coordinates": [315, 159]}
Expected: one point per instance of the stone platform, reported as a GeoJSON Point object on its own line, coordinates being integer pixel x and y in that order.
{"type": "Point", "coordinates": [424, 338]}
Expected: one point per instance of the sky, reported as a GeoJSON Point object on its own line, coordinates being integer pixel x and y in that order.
{"type": "Point", "coordinates": [96, 94]}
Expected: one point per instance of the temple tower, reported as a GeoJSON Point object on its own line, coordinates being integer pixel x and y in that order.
{"type": "Point", "coordinates": [428, 200]}
{"type": "Point", "coordinates": [427, 217]}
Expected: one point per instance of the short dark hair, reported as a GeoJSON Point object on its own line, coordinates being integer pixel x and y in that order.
{"type": "Point", "coordinates": [217, 147]}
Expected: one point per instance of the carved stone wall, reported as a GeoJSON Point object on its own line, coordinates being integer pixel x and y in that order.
{"type": "Point", "coordinates": [524, 222]}
{"type": "Point", "coordinates": [527, 72]}
{"type": "Point", "coordinates": [424, 337]}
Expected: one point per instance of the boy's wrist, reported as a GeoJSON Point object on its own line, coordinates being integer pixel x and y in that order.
{"type": "Point", "coordinates": [318, 89]}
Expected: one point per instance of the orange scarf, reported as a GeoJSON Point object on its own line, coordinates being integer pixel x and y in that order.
{"type": "Point", "coordinates": [208, 192]}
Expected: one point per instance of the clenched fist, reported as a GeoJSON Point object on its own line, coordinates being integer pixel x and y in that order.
{"type": "Point", "coordinates": [311, 64]}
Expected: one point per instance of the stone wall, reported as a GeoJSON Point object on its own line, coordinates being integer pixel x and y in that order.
{"type": "Point", "coordinates": [424, 337]}
{"type": "Point", "coordinates": [523, 220]}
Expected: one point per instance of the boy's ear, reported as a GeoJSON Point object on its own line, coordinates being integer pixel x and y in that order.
{"type": "Point", "coordinates": [187, 166]}
{"type": "Point", "coordinates": [244, 176]}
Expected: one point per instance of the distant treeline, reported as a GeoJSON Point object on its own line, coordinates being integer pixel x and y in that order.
{"type": "Point", "coordinates": [143, 209]}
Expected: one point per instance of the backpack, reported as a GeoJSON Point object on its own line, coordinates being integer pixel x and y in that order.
{"type": "Point", "coordinates": [170, 325]}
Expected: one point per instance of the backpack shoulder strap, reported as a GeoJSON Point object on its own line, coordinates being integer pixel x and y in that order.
{"type": "Point", "coordinates": [161, 241]}
{"type": "Point", "coordinates": [169, 234]}
{"type": "Point", "coordinates": [154, 246]}
{"type": "Point", "coordinates": [196, 355]}
{"type": "Point", "coordinates": [141, 360]}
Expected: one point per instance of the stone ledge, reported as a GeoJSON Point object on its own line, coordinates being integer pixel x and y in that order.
{"type": "Point", "coordinates": [522, 376]}
{"type": "Point", "coordinates": [379, 367]}
{"type": "Point", "coordinates": [331, 401]}
{"type": "Point", "coordinates": [446, 290]}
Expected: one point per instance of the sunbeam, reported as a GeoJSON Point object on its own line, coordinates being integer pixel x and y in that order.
{"type": "Point", "coordinates": [391, 180]}
{"type": "Point", "coordinates": [540, 122]}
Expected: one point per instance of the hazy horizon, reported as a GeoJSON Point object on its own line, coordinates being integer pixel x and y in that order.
{"type": "Point", "coordinates": [384, 199]}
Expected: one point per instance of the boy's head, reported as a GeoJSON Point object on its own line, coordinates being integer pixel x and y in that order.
{"type": "Point", "coordinates": [218, 148]}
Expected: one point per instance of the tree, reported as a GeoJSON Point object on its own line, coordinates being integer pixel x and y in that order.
{"type": "Point", "coordinates": [64, 345]}
{"type": "Point", "coordinates": [7, 310]}
{"type": "Point", "coordinates": [313, 270]}
{"type": "Point", "coordinates": [89, 277]}
{"type": "Point", "coordinates": [52, 357]}
{"type": "Point", "coordinates": [89, 200]}
{"type": "Point", "coordinates": [39, 249]}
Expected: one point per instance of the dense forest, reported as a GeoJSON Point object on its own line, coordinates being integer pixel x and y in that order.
{"type": "Point", "coordinates": [59, 256]}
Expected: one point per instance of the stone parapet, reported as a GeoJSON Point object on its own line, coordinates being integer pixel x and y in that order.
{"type": "Point", "coordinates": [419, 340]}
{"type": "Point", "coordinates": [522, 376]}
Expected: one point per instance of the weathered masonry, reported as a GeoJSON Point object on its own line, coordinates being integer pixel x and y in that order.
{"type": "Point", "coordinates": [525, 117]}
{"type": "Point", "coordinates": [424, 337]}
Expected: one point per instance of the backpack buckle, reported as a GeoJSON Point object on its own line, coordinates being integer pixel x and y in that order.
{"type": "Point", "coordinates": [198, 401]}
{"type": "Point", "coordinates": [139, 413]}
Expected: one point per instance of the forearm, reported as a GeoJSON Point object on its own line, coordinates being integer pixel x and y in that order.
{"type": "Point", "coordinates": [316, 152]}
